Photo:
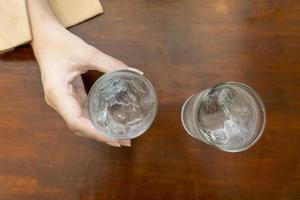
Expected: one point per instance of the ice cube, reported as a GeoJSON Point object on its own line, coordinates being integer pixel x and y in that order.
{"type": "Point", "coordinates": [138, 87]}
{"type": "Point", "coordinates": [219, 136]}
{"type": "Point", "coordinates": [123, 105]}
{"type": "Point", "coordinates": [117, 86]}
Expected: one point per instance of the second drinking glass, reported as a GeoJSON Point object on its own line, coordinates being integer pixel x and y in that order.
{"type": "Point", "coordinates": [229, 116]}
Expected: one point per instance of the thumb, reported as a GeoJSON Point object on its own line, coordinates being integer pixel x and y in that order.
{"type": "Point", "coordinates": [104, 63]}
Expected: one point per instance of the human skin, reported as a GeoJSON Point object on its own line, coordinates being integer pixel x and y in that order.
{"type": "Point", "coordinates": [62, 58]}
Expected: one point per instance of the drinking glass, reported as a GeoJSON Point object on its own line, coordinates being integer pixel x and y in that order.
{"type": "Point", "coordinates": [229, 116]}
{"type": "Point", "coordinates": [122, 104]}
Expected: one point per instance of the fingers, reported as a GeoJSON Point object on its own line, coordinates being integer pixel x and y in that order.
{"type": "Point", "coordinates": [88, 127]}
{"type": "Point", "coordinates": [80, 92]}
{"type": "Point", "coordinates": [85, 126]}
{"type": "Point", "coordinates": [82, 97]}
{"type": "Point", "coordinates": [67, 105]}
{"type": "Point", "coordinates": [125, 143]}
{"type": "Point", "coordinates": [90, 131]}
{"type": "Point", "coordinates": [103, 62]}
{"type": "Point", "coordinates": [135, 70]}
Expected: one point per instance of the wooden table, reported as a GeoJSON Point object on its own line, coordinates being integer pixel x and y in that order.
{"type": "Point", "coordinates": [183, 47]}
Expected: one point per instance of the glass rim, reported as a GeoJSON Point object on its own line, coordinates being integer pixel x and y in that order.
{"type": "Point", "coordinates": [260, 105]}
{"type": "Point", "coordinates": [154, 111]}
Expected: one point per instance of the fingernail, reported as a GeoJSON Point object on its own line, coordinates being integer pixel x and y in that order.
{"type": "Point", "coordinates": [114, 144]}
{"type": "Point", "coordinates": [135, 70]}
{"type": "Point", "coordinates": [125, 143]}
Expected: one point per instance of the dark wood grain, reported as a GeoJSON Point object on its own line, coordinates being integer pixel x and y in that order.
{"type": "Point", "coordinates": [183, 47]}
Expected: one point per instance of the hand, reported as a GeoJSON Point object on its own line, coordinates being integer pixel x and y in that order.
{"type": "Point", "coordinates": [63, 57]}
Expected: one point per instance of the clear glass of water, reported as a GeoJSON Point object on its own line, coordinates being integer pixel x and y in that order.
{"type": "Point", "coordinates": [122, 104]}
{"type": "Point", "coordinates": [229, 116]}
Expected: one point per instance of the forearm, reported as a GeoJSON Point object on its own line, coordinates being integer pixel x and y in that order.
{"type": "Point", "coordinates": [42, 19]}
{"type": "Point", "coordinates": [47, 32]}
{"type": "Point", "coordinates": [40, 11]}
